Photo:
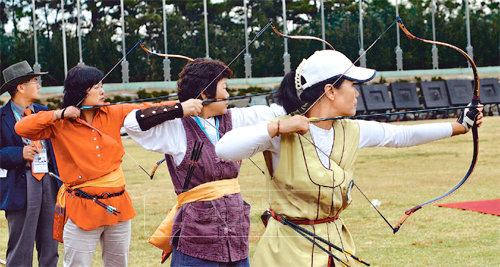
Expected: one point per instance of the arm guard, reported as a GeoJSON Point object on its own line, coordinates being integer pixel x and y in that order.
{"type": "Point", "coordinates": [150, 117]}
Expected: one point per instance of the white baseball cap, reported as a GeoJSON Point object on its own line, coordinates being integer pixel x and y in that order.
{"type": "Point", "coordinates": [327, 64]}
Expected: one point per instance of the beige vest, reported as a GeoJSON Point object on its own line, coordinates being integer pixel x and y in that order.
{"type": "Point", "coordinates": [302, 188]}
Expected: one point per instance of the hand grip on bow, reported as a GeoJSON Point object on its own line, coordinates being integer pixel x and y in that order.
{"type": "Point", "coordinates": [470, 116]}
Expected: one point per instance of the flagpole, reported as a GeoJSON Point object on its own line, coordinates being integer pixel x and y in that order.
{"type": "Point", "coordinates": [286, 55]}
{"type": "Point", "coordinates": [79, 33]}
{"type": "Point", "coordinates": [166, 60]}
{"type": "Point", "coordinates": [63, 26]}
{"type": "Point", "coordinates": [36, 66]}
{"type": "Point", "coordinates": [125, 77]}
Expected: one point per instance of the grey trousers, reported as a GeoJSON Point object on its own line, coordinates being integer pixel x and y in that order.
{"type": "Point", "coordinates": [80, 245]}
{"type": "Point", "coordinates": [33, 225]}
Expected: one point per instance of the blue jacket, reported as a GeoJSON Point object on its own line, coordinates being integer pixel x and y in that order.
{"type": "Point", "coordinates": [13, 187]}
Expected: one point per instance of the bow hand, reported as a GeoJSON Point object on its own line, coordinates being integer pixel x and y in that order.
{"type": "Point", "coordinates": [470, 117]}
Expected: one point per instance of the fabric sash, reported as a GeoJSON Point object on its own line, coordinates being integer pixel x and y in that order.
{"type": "Point", "coordinates": [204, 192]}
{"type": "Point", "coordinates": [115, 178]}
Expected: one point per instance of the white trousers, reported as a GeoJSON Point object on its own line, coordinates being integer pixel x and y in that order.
{"type": "Point", "coordinates": [80, 245]}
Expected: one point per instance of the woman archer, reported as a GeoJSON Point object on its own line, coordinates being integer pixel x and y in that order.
{"type": "Point", "coordinates": [212, 224]}
{"type": "Point", "coordinates": [89, 150]}
{"type": "Point", "coordinates": [311, 172]}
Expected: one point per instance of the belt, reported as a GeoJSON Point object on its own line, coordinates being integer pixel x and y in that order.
{"type": "Point", "coordinates": [270, 213]}
{"type": "Point", "coordinates": [104, 195]}
{"type": "Point", "coordinates": [311, 222]}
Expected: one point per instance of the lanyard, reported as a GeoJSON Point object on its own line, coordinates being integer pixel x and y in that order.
{"type": "Point", "coordinates": [18, 118]}
{"type": "Point", "coordinates": [16, 114]}
{"type": "Point", "coordinates": [197, 119]}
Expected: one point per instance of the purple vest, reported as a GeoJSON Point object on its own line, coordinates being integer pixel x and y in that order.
{"type": "Point", "coordinates": [214, 230]}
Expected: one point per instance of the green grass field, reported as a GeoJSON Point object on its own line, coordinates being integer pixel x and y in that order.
{"type": "Point", "coordinates": [399, 178]}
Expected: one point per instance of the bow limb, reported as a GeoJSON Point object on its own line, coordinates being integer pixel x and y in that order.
{"type": "Point", "coordinates": [475, 101]}
{"type": "Point", "coordinates": [165, 55]}
{"type": "Point", "coordinates": [156, 167]}
{"type": "Point", "coordinates": [475, 96]}
{"type": "Point", "coordinates": [299, 37]}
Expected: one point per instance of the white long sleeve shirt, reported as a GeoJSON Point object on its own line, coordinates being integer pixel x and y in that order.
{"type": "Point", "coordinates": [169, 137]}
{"type": "Point", "coordinates": [247, 141]}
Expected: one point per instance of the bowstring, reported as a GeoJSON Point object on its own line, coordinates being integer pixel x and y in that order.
{"type": "Point", "coordinates": [106, 75]}
{"type": "Point", "coordinates": [227, 67]}
{"type": "Point", "coordinates": [342, 75]}
{"type": "Point", "coordinates": [255, 164]}
{"type": "Point", "coordinates": [328, 156]}
{"type": "Point", "coordinates": [236, 57]}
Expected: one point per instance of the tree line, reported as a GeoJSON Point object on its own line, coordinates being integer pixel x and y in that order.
{"type": "Point", "coordinates": [101, 41]}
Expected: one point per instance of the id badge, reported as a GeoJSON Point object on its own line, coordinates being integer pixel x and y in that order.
{"type": "Point", "coordinates": [40, 164]}
{"type": "Point", "coordinates": [3, 173]}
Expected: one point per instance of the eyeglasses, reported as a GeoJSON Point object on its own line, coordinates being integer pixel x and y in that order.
{"type": "Point", "coordinates": [36, 80]}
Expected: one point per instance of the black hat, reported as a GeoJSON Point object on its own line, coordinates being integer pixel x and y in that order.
{"type": "Point", "coordinates": [17, 73]}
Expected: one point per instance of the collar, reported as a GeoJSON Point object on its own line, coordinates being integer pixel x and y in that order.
{"type": "Point", "coordinates": [20, 109]}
